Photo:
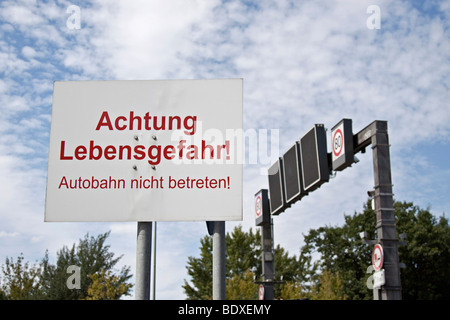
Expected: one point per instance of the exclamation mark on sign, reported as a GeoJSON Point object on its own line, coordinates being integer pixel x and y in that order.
{"type": "Point", "coordinates": [227, 148]}
{"type": "Point", "coordinates": [228, 180]}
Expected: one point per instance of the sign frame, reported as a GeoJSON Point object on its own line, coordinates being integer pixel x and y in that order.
{"type": "Point", "coordinates": [292, 173]}
{"type": "Point", "coordinates": [277, 195]}
{"type": "Point", "coordinates": [317, 148]}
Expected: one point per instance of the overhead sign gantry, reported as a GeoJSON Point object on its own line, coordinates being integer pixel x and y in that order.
{"type": "Point", "coordinates": [306, 165]}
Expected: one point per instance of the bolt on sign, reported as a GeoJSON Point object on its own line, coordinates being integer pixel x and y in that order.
{"type": "Point", "coordinates": [168, 150]}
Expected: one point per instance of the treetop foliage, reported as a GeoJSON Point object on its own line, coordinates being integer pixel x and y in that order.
{"type": "Point", "coordinates": [44, 280]}
{"type": "Point", "coordinates": [333, 262]}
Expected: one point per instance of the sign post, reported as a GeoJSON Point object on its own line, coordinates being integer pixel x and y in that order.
{"type": "Point", "coordinates": [143, 260]}
{"type": "Point", "coordinates": [264, 220]}
{"type": "Point", "coordinates": [219, 260]}
{"type": "Point", "coordinates": [376, 134]}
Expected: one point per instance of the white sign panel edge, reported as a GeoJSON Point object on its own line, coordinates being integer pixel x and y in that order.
{"type": "Point", "coordinates": [78, 107]}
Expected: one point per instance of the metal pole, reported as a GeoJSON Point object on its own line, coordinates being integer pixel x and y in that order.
{"type": "Point", "coordinates": [219, 260]}
{"type": "Point", "coordinates": [154, 263]}
{"type": "Point", "coordinates": [143, 257]}
{"type": "Point", "coordinates": [268, 263]}
{"type": "Point", "coordinates": [377, 134]}
{"type": "Point", "coordinates": [384, 209]}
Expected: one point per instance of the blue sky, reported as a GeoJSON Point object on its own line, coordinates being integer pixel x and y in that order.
{"type": "Point", "coordinates": [303, 62]}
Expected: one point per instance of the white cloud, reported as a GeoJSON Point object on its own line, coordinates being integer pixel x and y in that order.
{"type": "Point", "coordinates": [8, 234]}
{"type": "Point", "coordinates": [28, 52]}
{"type": "Point", "coordinates": [20, 15]}
{"type": "Point", "coordinates": [138, 40]}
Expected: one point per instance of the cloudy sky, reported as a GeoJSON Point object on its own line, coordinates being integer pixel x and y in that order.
{"type": "Point", "coordinates": [303, 62]}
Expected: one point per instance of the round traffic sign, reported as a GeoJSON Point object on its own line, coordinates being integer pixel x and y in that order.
{"type": "Point", "coordinates": [377, 257]}
{"type": "Point", "coordinates": [258, 205]}
{"type": "Point", "coordinates": [261, 292]}
{"type": "Point", "coordinates": [338, 142]}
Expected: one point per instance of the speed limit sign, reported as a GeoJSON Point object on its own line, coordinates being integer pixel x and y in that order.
{"type": "Point", "coordinates": [262, 212]}
{"type": "Point", "coordinates": [338, 145]}
{"type": "Point", "coordinates": [342, 145]}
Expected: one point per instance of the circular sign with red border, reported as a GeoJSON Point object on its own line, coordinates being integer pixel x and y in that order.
{"type": "Point", "coordinates": [377, 257]}
{"type": "Point", "coordinates": [258, 205]}
{"type": "Point", "coordinates": [261, 292]}
{"type": "Point", "coordinates": [338, 142]}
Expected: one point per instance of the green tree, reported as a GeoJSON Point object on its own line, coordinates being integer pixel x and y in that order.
{"type": "Point", "coordinates": [426, 254]}
{"type": "Point", "coordinates": [330, 287]}
{"type": "Point", "coordinates": [106, 286]}
{"type": "Point", "coordinates": [243, 250]}
{"type": "Point", "coordinates": [341, 250]}
{"type": "Point", "coordinates": [241, 286]}
{"type": "Point", "coordinates": [200, 271]}
{"type": "Point", "coordinates": [20, 280]}
{"type": "Point", "coordinates": [91, 255]}
{"type": "Point", "coordinates": [333, 262]}
{"type": "Point", "coordinates": [47, 281]}
{"type": "Point", "coordinates": [293, 290]}
{"type": "Point", "coordinates": [243, 262]}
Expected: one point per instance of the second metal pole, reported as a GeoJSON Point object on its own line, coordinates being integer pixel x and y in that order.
{"type": "Point", "coordinates": [219, 261]}
{"type": "Point", "coordinates": [384, 209]}
{"type": "Point", "coordinates": [154, 263]}
{"type": "Point", "coordinates": [268, 263]}
{"type": "Point", "coordinates": [143, 260]}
